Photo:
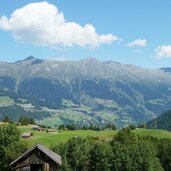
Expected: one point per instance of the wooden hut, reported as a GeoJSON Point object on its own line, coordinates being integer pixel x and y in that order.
{"type": "Point", "coordinates": [26, 135]}
{"type": "Point", "coordinates": [39, 158]}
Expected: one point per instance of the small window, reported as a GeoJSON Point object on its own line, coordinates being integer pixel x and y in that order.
{"type": "Point", "coordinates": [36, 167]}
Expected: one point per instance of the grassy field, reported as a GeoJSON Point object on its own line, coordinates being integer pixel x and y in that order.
{"type": "Point", "coordinates": [153, 132]}
{"type": "Point", "coordinates": [57, 137]}
{"type": "Point", "coordinates": [6, 101]}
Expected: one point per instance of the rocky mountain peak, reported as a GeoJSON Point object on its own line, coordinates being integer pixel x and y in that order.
{"type": "Point", "coordinates": [30, 58]}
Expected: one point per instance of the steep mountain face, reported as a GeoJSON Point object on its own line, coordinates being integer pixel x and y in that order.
{"type": "Point", "coordinates": [163, 121]}
{"type": "Point", "coordinates": [84, 92]}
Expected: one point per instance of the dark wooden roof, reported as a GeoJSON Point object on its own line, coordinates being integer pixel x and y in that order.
{"type": "Point", "coordinates": [55, 157]}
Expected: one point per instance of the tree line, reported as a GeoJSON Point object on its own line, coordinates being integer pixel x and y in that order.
{"type": "Point", "coordinates": [126, 152]}
{"type": "Point", "coordinates": [87, 127]}
{"type": "Point", "coordinates": [23, 120]}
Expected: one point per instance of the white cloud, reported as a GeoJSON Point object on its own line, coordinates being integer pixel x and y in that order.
{"type": "Point", "coordinates": [163, 51]}
{"type": "Point", "coordinates": [137, 42]}
{"type": "Point", "coordinates": [42, 24]}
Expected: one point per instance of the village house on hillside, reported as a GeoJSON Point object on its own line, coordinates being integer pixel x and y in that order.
{"type": "Point", "coordinates": [39, 158]}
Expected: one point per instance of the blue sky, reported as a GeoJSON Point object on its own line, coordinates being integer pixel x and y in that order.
{"type": "Point", "coordinates": [126, 31]}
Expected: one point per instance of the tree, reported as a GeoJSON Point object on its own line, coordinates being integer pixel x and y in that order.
{"type": "Point", "coordinates": [84, 127]}
{"type": "Point", "coordinates": [10, 145]}
{"type": "Point", "coordinates": [61, 127]}
{"type": "Point", "coordinates": [110, 126]}
{"type": "Point", "coordinates": [91, 127]}
{"type": "Point", "coordinates": [132, 153]}
{"type": "Point", "coordinates": [62, 150]}
{"type": "Point", "coordinates": [31, 120]}
{"type": "Point", "coordinates": [71, 127]}
{"type": "Point", "coordinates": [75, 153]}
{"type": "Point", "coordinates": [24, 120]}
{"type": "Point", "coordinates": [6, 119]}
{"type": "Point", "coordinates": [164, 153]}
{"type": "Point", "coordinates": [9, 134]}
{"type": "Point", "coordinates": [142, 125]}
{"type": "Point", "coordinates": [132, 127]}
{"type": "Point", "coordinates": [100, 156]}
{"type": "Point", "coordinates": [15, 149]}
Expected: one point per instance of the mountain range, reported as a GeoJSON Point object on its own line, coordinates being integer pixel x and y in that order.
{"type": "Point", "coordinates": [83, 92]}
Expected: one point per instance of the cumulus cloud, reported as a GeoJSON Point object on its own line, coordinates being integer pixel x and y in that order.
{"type": "Point", "coordinates": [137, 42]}
{"type": "Point", "coordinates": [42, 24]}
{"type": "Point", "coordinates": [163, 51]}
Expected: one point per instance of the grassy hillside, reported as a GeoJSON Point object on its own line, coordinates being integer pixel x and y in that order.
{"type": "Point", "coordinates": [153, 132]}
{"type": "Point", "coordinates": [57, 137]}
{"type": "Point", "coordinates": [6, 101]}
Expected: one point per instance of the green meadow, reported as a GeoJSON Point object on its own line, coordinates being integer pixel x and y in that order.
{"type": "Point", "coordinates": [6, 101]}
{"type": "Point", "coordinates": [159, 133]}
{"type": "Point", "coordinates": [57, 137]}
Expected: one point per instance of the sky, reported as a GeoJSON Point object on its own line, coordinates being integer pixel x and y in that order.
{"type": "Point", "coordinates": [127, 31]}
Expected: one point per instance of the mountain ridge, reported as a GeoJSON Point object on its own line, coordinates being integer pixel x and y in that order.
{"type": "Point", "coordinates": [163, 121]}
{"type": "Point", "coordinates": [107, 90]}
